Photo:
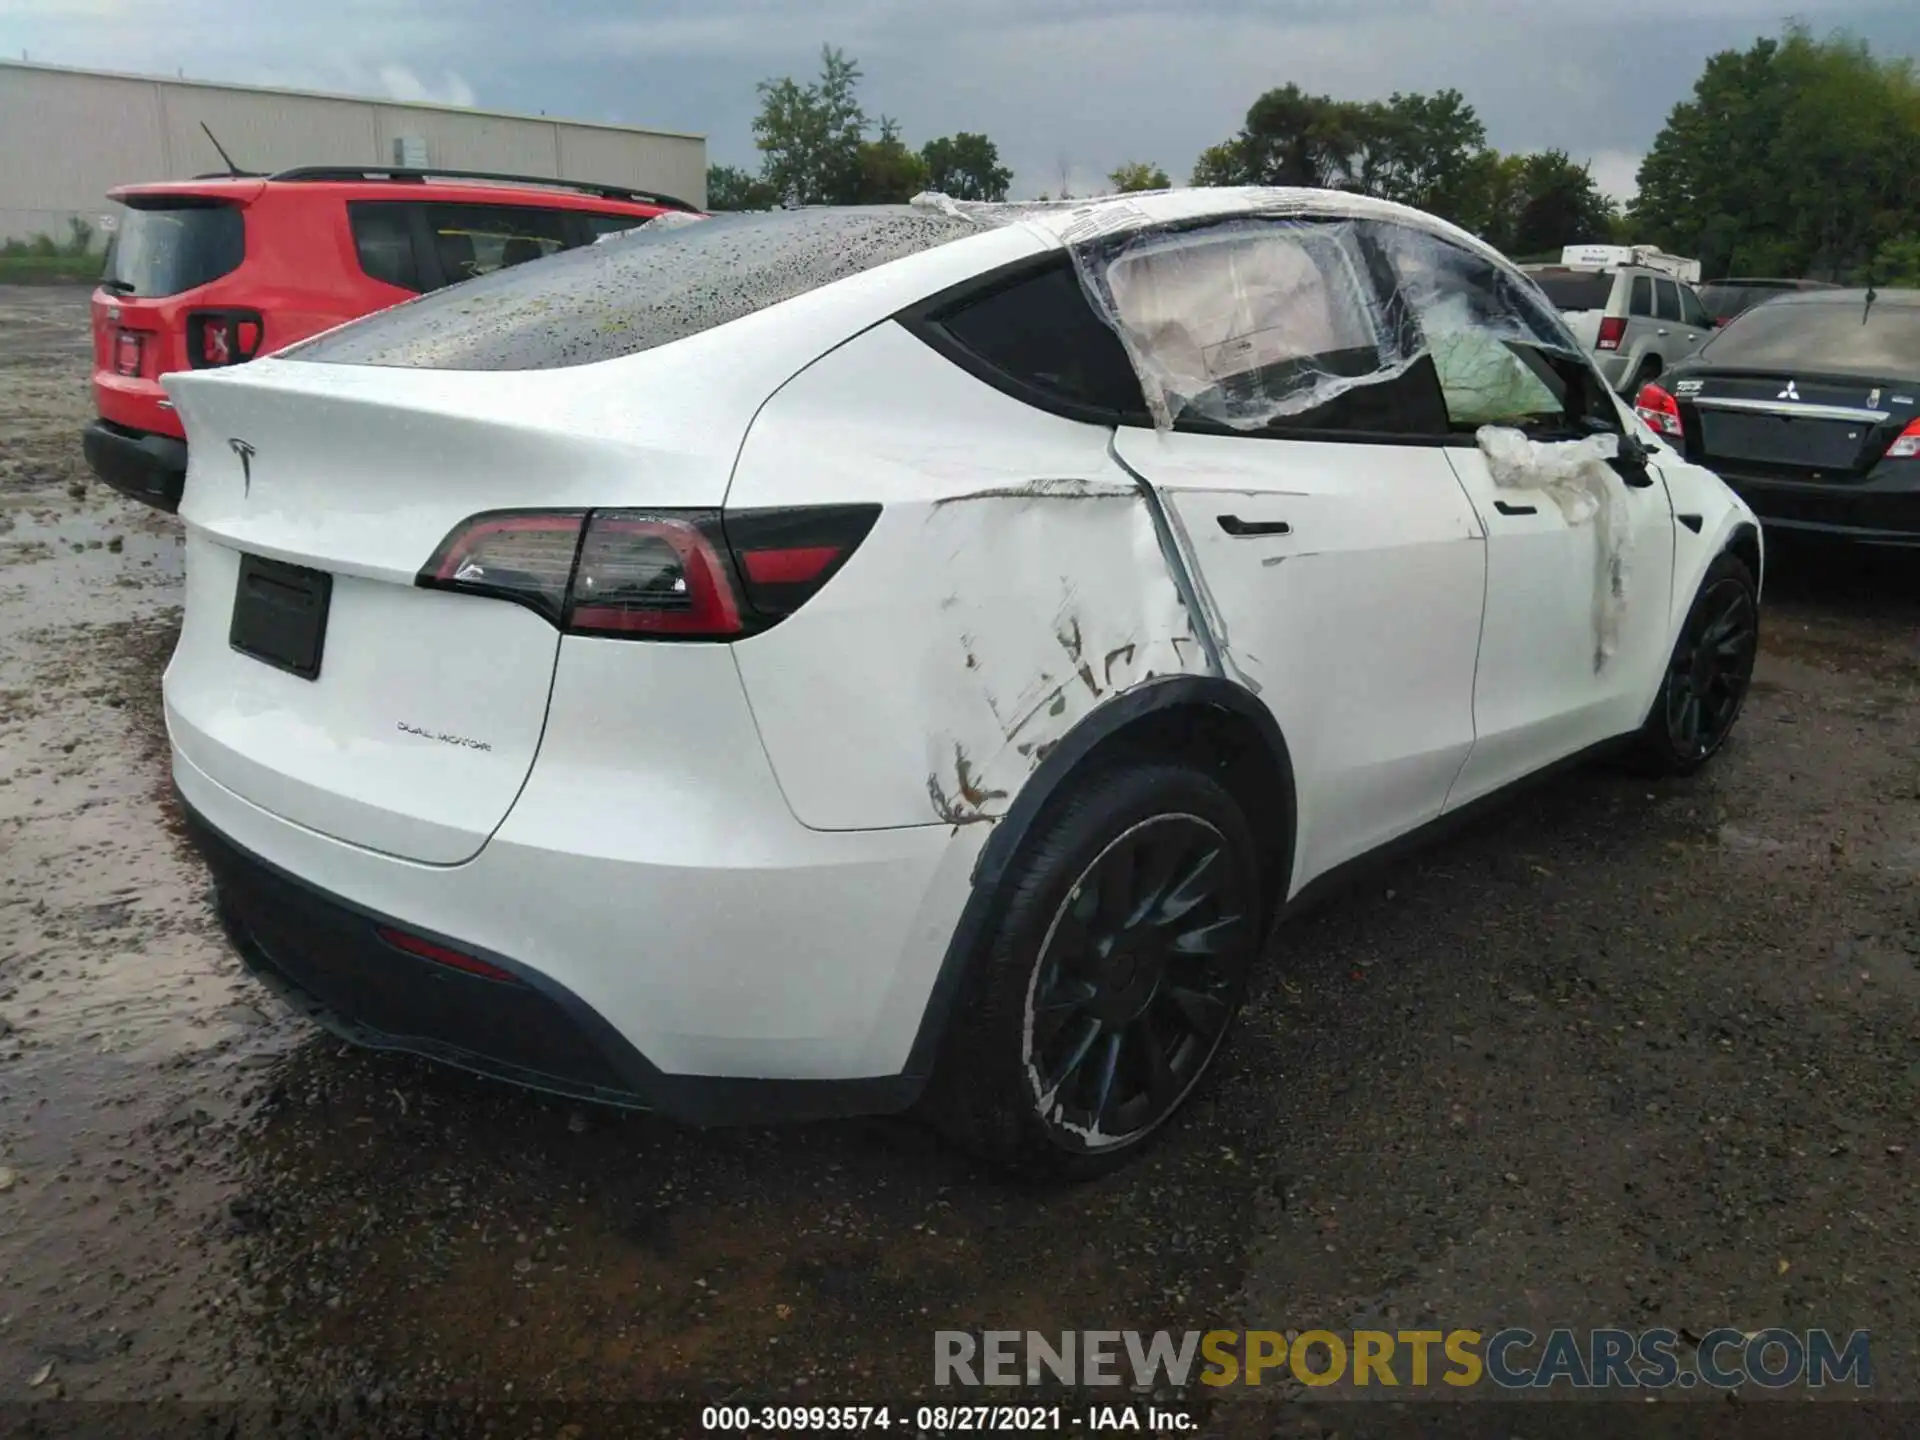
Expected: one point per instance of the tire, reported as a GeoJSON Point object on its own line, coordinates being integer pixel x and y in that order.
{"type": "Point", "coordinates": [1108, 982]}
{"type": "Point", "coordinates": [1648, 372]}
{"type": "Point", "coordinates": [1703, 689]}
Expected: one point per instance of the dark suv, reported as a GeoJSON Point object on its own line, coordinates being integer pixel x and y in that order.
{"type": "Point", "coordinates": [218, 270]}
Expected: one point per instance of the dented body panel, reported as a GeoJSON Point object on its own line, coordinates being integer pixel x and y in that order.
{"type": "Point", "coordinates": [1016, 580]}
{"type": "Point", "coordinates": [1352, 597]}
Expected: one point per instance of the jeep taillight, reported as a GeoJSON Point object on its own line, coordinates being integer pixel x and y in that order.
{"type": "Point", "coordinates": [1613, 329]}
{"type": "Point", "coordinates": [223, 337]}
{"type": "Point", "coordinates": [651, 574]}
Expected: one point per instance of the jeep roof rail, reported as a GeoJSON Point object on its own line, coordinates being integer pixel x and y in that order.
{"type": "Point", "coordinates": [414, 175]}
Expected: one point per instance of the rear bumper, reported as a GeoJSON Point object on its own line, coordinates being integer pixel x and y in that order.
{"type": "Point", "coordinates": [143, 466]}
{"type": "Point", "coordinates": [325, 957]}
{"type": "Point", "coordinates": [1883, 509]}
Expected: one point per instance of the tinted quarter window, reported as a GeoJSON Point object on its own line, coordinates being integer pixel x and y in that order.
{"type": "Point", "coordinates": [1667, 299]}
{"type": "Point", "coordinates": [1040, 333]}
{"type": "Point", "coordinates": [476, 240]}
{"type": "Point", "coordinates": [383, 239]}
{"type": "Point", "coordinates": [1641, 302]}
{"type": "Point", "coordinates": [598, 225]}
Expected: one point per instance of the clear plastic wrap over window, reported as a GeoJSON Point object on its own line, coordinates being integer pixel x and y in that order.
{"type": "Point", "coordinates": [1246, 318]}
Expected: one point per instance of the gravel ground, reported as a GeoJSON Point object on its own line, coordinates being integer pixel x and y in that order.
{"type": "Point", "coordinates": [1620, 1055]}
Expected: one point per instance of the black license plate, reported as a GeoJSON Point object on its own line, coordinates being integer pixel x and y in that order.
{"type": "Point", "coordinates": [280, 614]}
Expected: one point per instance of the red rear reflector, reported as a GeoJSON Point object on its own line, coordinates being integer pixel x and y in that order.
{"type": "Point", "coordinates": [1613, 329]}
{"type": "Point", "coordinates": [788, 567]}
{"type": "Point", "coordinates": [1661, 411]}
{"type": "Point", "coordinates": [441, 955]}
{"type": "Point", "coordinates": [1907, 447]}
{"type": "Point", "coordinates": [126, 353]}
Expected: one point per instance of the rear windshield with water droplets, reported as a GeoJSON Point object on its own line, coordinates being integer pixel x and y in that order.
{"type": "Point", "coordinates": [633, 292]}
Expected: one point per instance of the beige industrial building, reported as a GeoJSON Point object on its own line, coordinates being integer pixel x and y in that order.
{"type": "Point", "coordinates": [68, 136]}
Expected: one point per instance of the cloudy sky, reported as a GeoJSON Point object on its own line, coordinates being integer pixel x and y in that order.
{"type": "Point", "coordinates": [1063, 86]}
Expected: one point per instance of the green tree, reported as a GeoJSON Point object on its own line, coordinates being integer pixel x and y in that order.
{"type": "Point", "coordinates": [1421, 149]}
{"type": "Point", "coordinates": [1792, 157]}
{"type": "Point", "coordinates": [1136, 175]}
{"type": "Point", "coordinates": [966, 166]}
{"type": "Point", "coordinates": [1561, 206]}
{"type": "Point", "coordinates": [1417, 149]}
{"type": "Point", "coordinates": [811, 135]}
{"type": "Point", "coordinates": [1895, 266]}
{"type": "Point", "coordinates": [1289, 138]}
{"type": "Point", "coordinates": [890, 173]}
{"type": "Point", "coordinates": [731, 188]}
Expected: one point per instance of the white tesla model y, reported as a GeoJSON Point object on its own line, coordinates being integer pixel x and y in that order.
{"type": "Point", "coordinates": [836, 661]}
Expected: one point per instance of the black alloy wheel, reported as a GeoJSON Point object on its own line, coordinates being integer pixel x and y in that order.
{"type": "Point", "coordinates": [1712, 665]}
{"type": "Point", "coordinates": [1137, 981]}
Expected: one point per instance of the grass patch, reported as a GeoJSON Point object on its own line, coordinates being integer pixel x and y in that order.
{"type": "Point", "coordinates": [49, 269]}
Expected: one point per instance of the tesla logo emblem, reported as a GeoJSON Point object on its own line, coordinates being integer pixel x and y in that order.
{"type": "Point", "coordinates": [245, 452]}
{"type": "Point", "coordinates": [1792, 392]}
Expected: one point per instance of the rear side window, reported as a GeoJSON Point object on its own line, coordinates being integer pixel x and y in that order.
{"type": "Point", "coordinates": [384, 241]}
{"type": "Point", "coordinates": [633, 293]}
{"type": "Point", "coordinates": [1641, 301]}
{"type": "Point", "coordinates": [166, 245]}
{"type": "Point", "coordinates": [1666, 299]}
{"type": "Point", "coordinates": [1574, 290]}
{"type": "Point", "coordinates": [1039, 335]}
{"type": "Point", "coordinates": [473, 240]}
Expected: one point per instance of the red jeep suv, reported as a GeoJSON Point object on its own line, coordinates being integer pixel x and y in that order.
{"type": "Point", "coordinates": [218, 270]}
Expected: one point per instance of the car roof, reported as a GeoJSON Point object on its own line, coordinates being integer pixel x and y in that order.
{"type": "Point", "coordinates": [378, 184]}
{"type": "Point", "coordinates": [1067, 221]}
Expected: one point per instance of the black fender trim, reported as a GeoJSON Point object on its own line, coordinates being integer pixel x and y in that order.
{"type": "Point", "coordinates": [996, 856]}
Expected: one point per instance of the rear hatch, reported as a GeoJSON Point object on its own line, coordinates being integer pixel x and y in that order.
{"type": "Point", "coordinates": [169, 245]}
{"type": "Point", "coordinates": [1581, 297]}
{"type": "Point", "coordinates": [1793, 426]}
{"type": "Point", "coordinates": [1804, 388]}
{"type": "Point", "coordinates": [314, 676]}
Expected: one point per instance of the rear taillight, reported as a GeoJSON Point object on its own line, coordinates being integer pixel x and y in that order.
{"type": "Point", "coordinates": [1907, 446]}
{"type": "Point", "coordinates": [223, 337]}
{"type": "Point", "coordinates": [651, 574]}
{"type": "Point", "coordinates": [1660, 410]}
{"type": "Point", "coordinates": [1613, 329]}
{"type": "Point", "coordinates": [126, 353]}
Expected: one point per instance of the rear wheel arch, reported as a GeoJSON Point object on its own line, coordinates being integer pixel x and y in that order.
{"type": "Point", "coordinates": [1745, 544]}
{"type": "Point", "coordinates": [1210, 723]}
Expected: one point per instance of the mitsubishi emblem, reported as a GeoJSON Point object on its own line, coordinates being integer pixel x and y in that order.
{"type": "Point", "coordinates": [1792, 392]}
{"type": "Point", "coordinates": [245, 452]}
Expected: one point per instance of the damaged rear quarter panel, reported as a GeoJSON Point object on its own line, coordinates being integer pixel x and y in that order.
{"type": "Point", "coordinates": [1015, 581]}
